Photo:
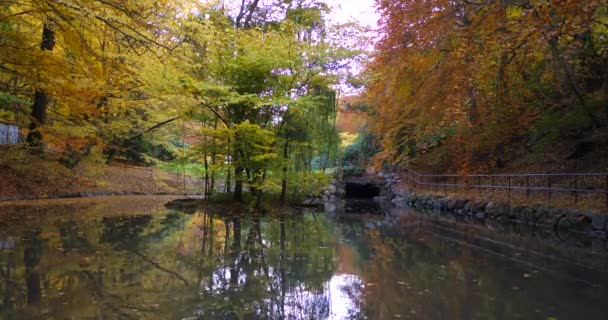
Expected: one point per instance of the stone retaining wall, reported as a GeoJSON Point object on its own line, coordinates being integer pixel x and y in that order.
{"type": "Point", "coordinates": [584, 223]}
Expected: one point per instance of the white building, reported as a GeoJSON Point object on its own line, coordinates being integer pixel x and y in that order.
{"type": "Point", "coordinates": [9, 133]}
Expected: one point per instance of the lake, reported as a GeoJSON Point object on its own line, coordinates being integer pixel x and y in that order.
{"type": "Point", "coordinates": [132, 258]}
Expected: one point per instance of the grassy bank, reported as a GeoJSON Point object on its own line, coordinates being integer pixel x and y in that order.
{"type": "Point", "coordinates": [25, 175]}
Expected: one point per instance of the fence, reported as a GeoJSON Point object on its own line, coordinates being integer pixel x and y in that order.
{"type": "Point", "coordinates": [581, 189]}
{"type": "Point", "coordinates": [152, 180]}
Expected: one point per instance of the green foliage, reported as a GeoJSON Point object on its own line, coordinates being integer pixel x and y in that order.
{"type": "Point", "coordinates": [72, 157]}
{"type": "Point", "coordinates": [363, 148]}
{"type": "Point", "coordinates": [188, 86]}
{"type": "Point", "coordinates": [353, 170]}
{"type": "Point", "coordinates": [555, 124]}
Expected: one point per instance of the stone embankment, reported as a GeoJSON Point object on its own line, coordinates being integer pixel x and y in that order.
{"type": "Point", "coordinates": [584, 223]}
{"type": "Point", "coordinates": [352, 195]}
{"type": "Point", "coordinates": [333, 198]}
{"type": "Point", "coordinates": [69, 195]}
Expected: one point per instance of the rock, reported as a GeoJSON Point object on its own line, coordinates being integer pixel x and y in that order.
{"type": "Point", "coordinates": [599, 222]}
{"type": "Point", "coordinates": [480, 215]}
{"type": "Point", "coordinates": [452, 204]}
{"type": "Point", "coordinates": [497, 209]}
{"type": "Point", "coordinates": [575, 220]}
{"type": "Point", "coordinates": [461, 203]}
{"type": "Point", "coordinates": [332, 189]}
{"type": "Point", "coordinates": [468, 207]}
{"type": "Point", "coordinates": [524, 214]}
{"type": "Point", "coordinates": [312, 201]}
{"type": "Point", "coordinates": [490, 206]}
{"type": "Point", "coordinates": [398, 200]}
{"type": "Point", "coordinates": [543, 218]}
{"type": "Point", "coordinates": [517, 210]}
{"type": "Point", "coordinates": [379, 199]}
{"type": "Point", "coordinates": [542, 215]}
{"type": "Point", "coordinates": [478, 207]}
{"type": "Point", "coordinates": [330, 207]}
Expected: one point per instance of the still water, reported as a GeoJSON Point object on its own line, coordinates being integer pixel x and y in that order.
{"type": "Point", "coordinates": [131, 258]}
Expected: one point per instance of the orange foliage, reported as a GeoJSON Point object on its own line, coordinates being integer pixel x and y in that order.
{"type": "Point", "coordinates": [350, 115]}
{"type": "Point", "coordinates": [475, 75]}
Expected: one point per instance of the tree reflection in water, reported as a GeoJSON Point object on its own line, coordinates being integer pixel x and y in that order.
{"type": "Point", "coordinates": [170, 265]}
{"type": "Point", "coordinates": [154, 263]}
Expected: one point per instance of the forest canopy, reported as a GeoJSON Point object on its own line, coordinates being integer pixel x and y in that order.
{"type": "Point", "coordinates": [245, 89]}
{"type": "Point", "coordinates": [478, 77]}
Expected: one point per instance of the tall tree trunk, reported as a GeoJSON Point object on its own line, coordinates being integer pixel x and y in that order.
{"type": "Point", "coordinates": [569, 72]}
{"type": "Point", "coordinates": [238, 183]}
{"type": "Point", "coordinates": [206, 164]}
{"type": "Point", "coordinates": [213, 160]}
{"type": "Point", "coordinates": [333, 130]}
{"type": "Point", "coordinates": [41, 98]}
{"type": "Point", "coordinates": [228, 178]}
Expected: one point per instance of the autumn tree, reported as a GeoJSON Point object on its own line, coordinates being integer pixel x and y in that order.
{"type": "Point", "coordinates": [80, 60]}
{"type": "Point", "coordinates": [475, 75]}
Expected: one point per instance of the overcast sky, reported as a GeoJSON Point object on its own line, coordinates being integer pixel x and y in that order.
{"type": "Point", "coordinates": [348, 10]}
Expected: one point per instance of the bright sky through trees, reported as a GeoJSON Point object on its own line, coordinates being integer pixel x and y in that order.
{"type": "Point", "coordinates": [362, 11]}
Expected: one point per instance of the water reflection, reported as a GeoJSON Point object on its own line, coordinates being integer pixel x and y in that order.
{"type": "Point", "coordinates": [88, 262]}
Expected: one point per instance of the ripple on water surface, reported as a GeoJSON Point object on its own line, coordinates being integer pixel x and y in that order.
{"type": "Point", "coordinates": [134, 259]}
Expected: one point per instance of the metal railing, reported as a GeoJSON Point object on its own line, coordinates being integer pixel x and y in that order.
{"type": "Point", "coordinates": [592, 188]}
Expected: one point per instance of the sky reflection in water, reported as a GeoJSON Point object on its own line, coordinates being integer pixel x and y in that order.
{"type": "Point", "coordinates": [137, 260]}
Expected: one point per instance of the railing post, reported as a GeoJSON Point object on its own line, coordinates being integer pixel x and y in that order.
{"type": "Point", "coordinates": [575, 189]}
{"type": "Point", "coordinates": [528, 187]}
{"type": "Point", "coordinates": [509, 190]}
{"type": "Point", "coordinates": [606, 190]}
{"type": "Point", "coordinates": [419, 180]}
{"type": "Point", "coordinates": [549, 185]}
